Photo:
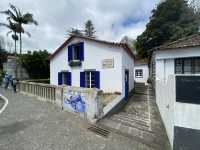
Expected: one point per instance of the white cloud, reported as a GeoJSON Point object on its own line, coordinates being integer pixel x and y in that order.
{"type": "Point", "coordinates": [56, 17]}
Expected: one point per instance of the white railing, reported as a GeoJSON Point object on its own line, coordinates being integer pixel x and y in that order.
{"type": "Point", "coordinates": [41, 91]}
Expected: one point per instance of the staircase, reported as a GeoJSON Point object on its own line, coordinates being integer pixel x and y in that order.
{"type": "Point", "coordinates": [135, 120]}
{"type": "Point", "coordinates": [140, 88]}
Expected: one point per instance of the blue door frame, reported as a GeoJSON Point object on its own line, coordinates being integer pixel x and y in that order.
{"type": "Point", "coordinates": [126, 80]}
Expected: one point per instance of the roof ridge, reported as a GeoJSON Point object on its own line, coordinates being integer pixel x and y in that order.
{"type": "Point", "coordinates": [119, 44]}
{"type": "Point", "coordinates": [183, 39]}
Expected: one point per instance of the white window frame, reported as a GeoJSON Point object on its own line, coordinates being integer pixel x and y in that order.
{"type": "Point", "coordinates": [90, 79]}
{"type": "Point", "coordinates": [136, 73]}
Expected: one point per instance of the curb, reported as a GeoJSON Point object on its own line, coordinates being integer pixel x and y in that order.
{"type": "Point", "coordinates": [5, 104]}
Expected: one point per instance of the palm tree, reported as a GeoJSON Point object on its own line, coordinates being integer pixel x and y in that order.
{"type": "Point", "coordinates": [14, 29]}
{"type": "Point", "coordinates": [16, 15]}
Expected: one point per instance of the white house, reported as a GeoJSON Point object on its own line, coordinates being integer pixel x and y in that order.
{"type": "Point", "coordinates": [177, 74]}
{"type": "Point", "coordinates": [92, 63]}
{"type": "Point", "coordinates": [141, 71]}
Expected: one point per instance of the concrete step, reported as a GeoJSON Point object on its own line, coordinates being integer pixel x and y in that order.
{"type": "Point", "coordinates": [133, 120]}
{"type": "Point", "coordinates": [137, 119]}
{"type": "Point", "coordinates": [131, 124]}
{"type": "Point", "coordinates": [142, 136]}
{"type": "Point", "coordinates": [144, 115]}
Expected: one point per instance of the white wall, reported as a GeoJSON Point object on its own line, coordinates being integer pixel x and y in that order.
{"type": "Point", "coordinates": [165, 99]}
{"type": "Point", "coordinates": [145, 76]}
{"type": "Point", "coordinates": [127, 63]}
{"type": "Point", "coordinates": [94, 54]}
{"type": "Point", "coordinates": [187, 115]}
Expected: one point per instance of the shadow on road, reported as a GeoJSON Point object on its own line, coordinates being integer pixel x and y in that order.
{"type": "Point", "coordinates": [15, 127]}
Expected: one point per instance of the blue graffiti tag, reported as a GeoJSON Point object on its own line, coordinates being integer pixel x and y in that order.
{"type": "Point", "coordinates": [76, 103]}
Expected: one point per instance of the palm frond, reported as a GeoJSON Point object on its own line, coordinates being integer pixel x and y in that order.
{"type": "Point", "coordinates": [27, 33]}
{"type": "Point", "coordinates": [28, 18]}
{"type": "Point", "coordinates": [14, 8]}
{"type": "Point", "coordinates": [15, 37]}
{"type": "Point", "coordinates": [11, 15]}
{"type": "Point", "coordinates": [5, 25]}
{"type": "Point", "coordinates": [9, 32]}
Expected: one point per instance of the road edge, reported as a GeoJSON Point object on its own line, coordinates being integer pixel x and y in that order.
{"type": "Point", "coordinates": [5, 104]}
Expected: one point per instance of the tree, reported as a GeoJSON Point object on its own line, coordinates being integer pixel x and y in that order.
{"type": "Point", "coordinates": [18, 17]}
{"type": "Point", "coordinates": [74, 31]}
{"type": "Point", "coordinates": [14, 28]}
{"type": "Point", "coordinates": [173, 19]}
{"type": "Point", "coordinates": [3, 53]}
{"type": "Point", "coordinates": [2, 43]}
{"type": "Point", "coordinates": [89, 29]}
{"type": "Point", "coordinates": [36, 64]}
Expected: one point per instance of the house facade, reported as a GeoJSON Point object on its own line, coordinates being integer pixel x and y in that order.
{"type": "Point", "coordinates": [141, 71]}
{"type": "Point", "coordinates": [177, 82]}
{"type": "Point", "coordinates": [91, 63]}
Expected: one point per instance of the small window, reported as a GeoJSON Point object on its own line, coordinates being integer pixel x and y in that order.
{"type": "Point", "coordinates": [76, 52]}
{"type": "Point", "coordinates": [138, 73]}
{"type": "Point", "coordinates": [64, 78]}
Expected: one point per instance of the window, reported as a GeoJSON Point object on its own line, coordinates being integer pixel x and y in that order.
{"type": "Point", "coordinates": [76, 52]}
{"type": "Point", "coordinates": [90, 79]}
{"type": "Point", "coordinates": [64, 78]}
{"type": "Point", "coordinates": [138, 73]}
{"type": "Point", "coordinates": [187, 65]}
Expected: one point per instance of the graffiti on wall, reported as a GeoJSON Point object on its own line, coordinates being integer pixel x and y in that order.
{"type": "Point", "coordinates": [74, 101]}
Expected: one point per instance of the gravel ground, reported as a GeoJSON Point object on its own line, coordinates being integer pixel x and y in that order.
{"type": "Point", "coordinates": [30, 124]}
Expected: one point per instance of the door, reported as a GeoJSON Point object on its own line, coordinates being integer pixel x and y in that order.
{"type": "Point", "coordinates": [126, 84]}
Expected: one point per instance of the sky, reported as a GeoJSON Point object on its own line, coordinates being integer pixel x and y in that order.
{"type": "Point", "coordinates": [113, 19]}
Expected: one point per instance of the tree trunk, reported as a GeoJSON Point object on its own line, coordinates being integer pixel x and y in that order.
{"type": "Point", "coordinates": [20, 39]}
{"type": "Point", "coordinates": [15, 44]}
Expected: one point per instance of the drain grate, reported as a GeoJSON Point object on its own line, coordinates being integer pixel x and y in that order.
{"type": "Point", "coordinates": [98, 130]}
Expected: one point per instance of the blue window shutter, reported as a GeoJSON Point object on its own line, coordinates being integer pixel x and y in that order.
{"type": "Point", "coordinates": [97, 79]}
{"type": "Point", "coordinates": [81, 51]}
{"type": "Point", "coordinates": [59, 78]}
{"type": "Point", "coordinates": [70, 52]}
{"type": "Point", "coordinates": [69, 78]}
{"type": "Point", "coordinates": [82, 79]}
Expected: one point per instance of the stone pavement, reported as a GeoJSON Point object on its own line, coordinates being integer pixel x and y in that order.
{"type": "Point", "coordinates": [30, 124]}
{"type": "Point", "coordinates": [140, 120]}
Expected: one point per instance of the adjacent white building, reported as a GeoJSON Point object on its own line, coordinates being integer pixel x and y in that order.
{"type": "Point", "coordinates": [92, 63]}
{"type": "Point", "coordinates": [177, 74]}
{"type": "Point", "coordinates": [141, 71]}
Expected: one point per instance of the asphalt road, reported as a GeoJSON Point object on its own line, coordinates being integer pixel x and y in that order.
{"type": "Point", "coordinates": [1, 103]}
{"type": "Point", "coordinates": [30, 124]}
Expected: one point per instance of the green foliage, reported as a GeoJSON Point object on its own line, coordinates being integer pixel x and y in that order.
{"type": "Point", "coordinates": [36, 64]}
{"type": "Point", "coordinates": [2, 74]}
{"type": "Point", "coordinates": [173, 19]}
{"type": "Point", "coordinates": [89, 29]}
{"type": "Point", "coordinates": [74, 31]}
{"type": "Point", "coordinates": [3, 58]}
